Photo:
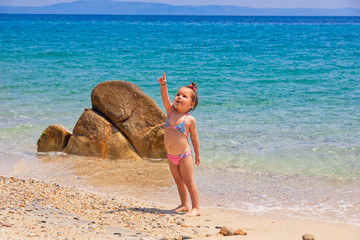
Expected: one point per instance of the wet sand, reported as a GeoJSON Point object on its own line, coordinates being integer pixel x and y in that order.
{"type": "Point", "coordinates": [52, 210]}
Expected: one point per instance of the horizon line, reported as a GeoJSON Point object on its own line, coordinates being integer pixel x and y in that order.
{"type": "Point", "coordinates": [187, 5]}
{"type": "Point", "coordinates": [173, 15]}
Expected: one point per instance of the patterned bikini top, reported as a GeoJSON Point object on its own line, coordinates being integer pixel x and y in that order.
{"type": "Point", "coordinates": [180, 127]}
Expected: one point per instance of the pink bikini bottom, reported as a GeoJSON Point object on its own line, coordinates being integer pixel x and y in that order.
{"type": "Point", "coordinates": [175, 159]}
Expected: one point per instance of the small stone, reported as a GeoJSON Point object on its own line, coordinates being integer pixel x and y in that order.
{"type": "Point", "coordinates": [308, 236]}
{"type": "Point", "coordinates": [76, 218]}
{"type": "Point", "coordinates": [218, 227]}
{"type": "Point", "coordinates": [183, 225]}
{"type": "Point", "coordinates": [186, 237]}
{"type": "Point", "coordinates": [32, 235]}
{"type": "Point", "coordinates": [227, 231]}
{"type": "Point", "coordinates": [7, 225]}
{"type": "Point", "coordinates": [240, 232]}
{"type": "Point", "coordinates": [118, 234]}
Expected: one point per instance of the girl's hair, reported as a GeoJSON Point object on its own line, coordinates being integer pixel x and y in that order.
{"type": "Point", "coordinates": [194, 96]}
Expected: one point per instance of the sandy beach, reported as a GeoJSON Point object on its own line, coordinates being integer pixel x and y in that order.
{"type": "Point", "coordinates": [39, 210]}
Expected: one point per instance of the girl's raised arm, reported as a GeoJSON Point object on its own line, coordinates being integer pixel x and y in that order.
{"type": "Point", "coordinates": [164, 94]}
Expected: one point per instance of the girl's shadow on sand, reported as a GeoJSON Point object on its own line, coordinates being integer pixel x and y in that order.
{"type": "Point", "coordinates": [146, 210]}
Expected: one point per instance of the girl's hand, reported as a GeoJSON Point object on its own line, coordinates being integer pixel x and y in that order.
{"type": "Point", "coordinates": [197, 160]}
{"type": "Point", "coordinates": [162, 80]}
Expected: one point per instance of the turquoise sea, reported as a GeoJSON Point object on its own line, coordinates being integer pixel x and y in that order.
{"type": "Point", "coordinates": [278, 118]}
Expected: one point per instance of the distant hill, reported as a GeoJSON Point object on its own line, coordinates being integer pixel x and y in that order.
{"type": "Point", "coordinates": [142, 8]}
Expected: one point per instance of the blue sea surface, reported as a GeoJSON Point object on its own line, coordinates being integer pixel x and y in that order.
{"type": "Point", "coordinates": [279, 96]}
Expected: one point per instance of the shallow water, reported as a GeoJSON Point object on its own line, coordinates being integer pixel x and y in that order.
{"type": "Point", "coordinates": [278, 119]}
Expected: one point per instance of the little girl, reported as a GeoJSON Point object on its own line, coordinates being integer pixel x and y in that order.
{"type": "Point", "coordinates": [177, 128]}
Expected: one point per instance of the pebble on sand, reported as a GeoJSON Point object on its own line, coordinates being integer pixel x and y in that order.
{"type": "Point", "coordinates": [308, 236]}
{"type": "Point", "coordinates": [227, 231]}
{"type": "Point", "coordinates": [240, 232]}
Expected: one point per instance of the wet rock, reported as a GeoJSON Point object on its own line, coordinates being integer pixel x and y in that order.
{"type": "Point", "coordinates": [53, 138]}
{"type": "Point", "coordinates": [227, 231]}
{"type": "Point", "coordinates": [308, 236]}
{"type": "Point", "coordinates": [136, 115]}
{"type": "Point", "coordinates": [93, 135]}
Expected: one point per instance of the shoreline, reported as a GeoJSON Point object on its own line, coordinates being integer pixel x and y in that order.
{"type": "Point", "coordinates": [36, 209]}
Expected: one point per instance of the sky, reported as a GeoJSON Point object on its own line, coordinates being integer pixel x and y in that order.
{"type": "Point", "coordinates": [243, 3]}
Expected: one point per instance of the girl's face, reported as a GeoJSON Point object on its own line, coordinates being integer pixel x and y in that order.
{"type": "Point", "coordinates": [183, 101]}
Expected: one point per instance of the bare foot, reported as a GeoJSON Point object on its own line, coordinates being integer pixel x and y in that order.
{"type": "Point", "coordinates": [193, 213]}
{"type": "Point", "coordinates": [180, 209]}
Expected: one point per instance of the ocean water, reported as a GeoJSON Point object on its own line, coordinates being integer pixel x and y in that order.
{"type": "Point", "coordinates": [278, 117]}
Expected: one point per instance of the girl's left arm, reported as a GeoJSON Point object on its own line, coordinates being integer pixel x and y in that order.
{"type": "Point", "coordinates": [195, 140]}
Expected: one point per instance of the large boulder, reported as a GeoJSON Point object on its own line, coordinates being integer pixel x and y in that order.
{"type": "Point", "coordinates": [136, 115]}
{"type": "Point", "coordinates": [53, 138]}
{"type": "Point", "coordinates": [93, 135]}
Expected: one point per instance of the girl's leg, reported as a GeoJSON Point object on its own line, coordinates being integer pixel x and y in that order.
{"type": "Point", "coordinates": [187, 173]}
{"type": "Point", "coordinates": [175, 171]}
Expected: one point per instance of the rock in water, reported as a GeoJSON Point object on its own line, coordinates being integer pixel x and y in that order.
{"type": "Point", "coordinates": [53, 138]}
{"type": "Point", "coordinates": [308, 236]}
{"type": "Point", "coordinates": [136, 115]}
{"type": "Point", "coordinates": [95, 136]}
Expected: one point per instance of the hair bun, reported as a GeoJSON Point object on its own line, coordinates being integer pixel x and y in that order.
{"type": "Point", "coordinates": [194, 84]}
{"type": "Point", "coordinates": [194, 97]}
